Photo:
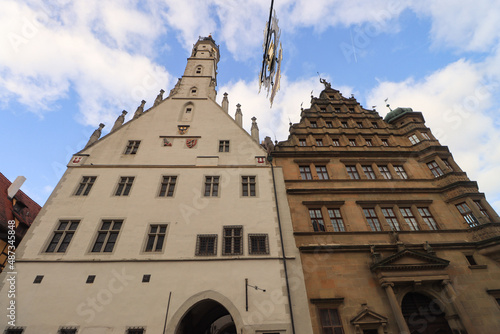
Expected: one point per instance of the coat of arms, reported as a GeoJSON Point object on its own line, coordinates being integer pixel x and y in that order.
{"type": "Point", "coordinates": [183, 129]}
{"type": "Point", "coordinates": [166, 142]}
{"type": "Point", "coordinates": [191, 142]}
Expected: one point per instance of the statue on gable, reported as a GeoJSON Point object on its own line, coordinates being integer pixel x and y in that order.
{"type": "Point", "coordinates": [96, 135]}
{"type": "Point", "coordinates": [119, 121]}
{"type": "Point", "coordinates": [326, 83]}
{"type": "Point", "coordinates": [140, 109]}
{"type": "Point", "coordinates": [159, 98]}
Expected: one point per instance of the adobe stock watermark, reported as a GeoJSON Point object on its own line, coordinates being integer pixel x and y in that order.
{"type": "Point", "coordinates": [363, 35]}
{"type": "Point", "coordinates": [97, 303]}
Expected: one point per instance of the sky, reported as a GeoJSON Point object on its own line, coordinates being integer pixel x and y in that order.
{"type": "Point", "coordinates": [68, 65]}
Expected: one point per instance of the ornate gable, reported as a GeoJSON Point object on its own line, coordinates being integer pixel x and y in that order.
{"type": "Point", "coordinates": [368, 319]}
{"type": "Point", "coordinates": [410, 260]}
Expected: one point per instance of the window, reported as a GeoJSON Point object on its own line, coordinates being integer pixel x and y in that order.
{"type": "Point", "coordinates": [425, 135]}
{"type": "Point", "coordinates": [322, 109]}
{"type": "Point", "coordinates": [385, 142]}
{"type": "Point", "coordinates": [135, 330]}
{"type": "Point", "coordinates": [353, 172]}
{"type": "Point", "coordinates": [198, 70]}
{"type": "Point", "coordinates": [336, 219]}
{"type": "Point", "coordinates": [248, 185]}
{"type": "Point", "coordinates": [14, 331]}
{"type": "Point", "coordinates": [317, 220]}
{"type": "Point", "coordinates": [124, 186]}
{"type": "Point", "coordinates": [62, 236]}
{"type": "Point", "coordinates": [471, 260]}
{"type": "Point", "coordinates": [335, 142]}
{"type": "Point", "coordinates": [302, 142]}
{"type": "Point", "coordinates": [433, 166]}
{"type": "Point", "coordinates": [344, 124]}
{"type": "Point", "coordinates": [370, 174]}
{"type": "Point", "coordinates": [90, 279]}
{"type": "Point", "coordinates": [400, 171]}
{"type": "Point", "coordinates": [352, 142]}
{"type": "Point", "coordinates": [372, 219]}
{"type": "Point", "coordinates": [329, 125]}
{"type": "Point", "coordinates": [211, 186]}
{"type": "Point", "coordinates": [360, 125]}
{"type": "Point", "coordinates": [414, 139]}
{"type": "Point", "coordinates": [223, 145]}
{"type": "Point", "coordinates": [466, 212]}
{"type": "Point", "coordinates": [368, 142]}
{"type": "Point", "coordinates": [482, 209]}
{"type": "Point", "coordinates": [38, 279]}
{"type": "Point", "coordinates": [322, 173]}
{"type": "Point", "coordinates": [132, 147]}
{"type": "Point", "coordinates": [107, 235]}
{"type": "Point", "coordinates": [67, 331]}
{"type": "Point", "coordinates": [85, 185]}
{"type": "Point", "coordinates": [146, 278]}
{"type": "Point", "coordinates": [409, 218]}
{"type": "Point", "coordinates": [447, 164]}
{"type": "Point", "coordinates": [305, 172]}
{"type": "Point", "coordinates": [337, 109]}
{"type": "Point", "coordinates": [351, 110]}
{"type": "Point", "coordinates": [391, 219]}
{"type": "Point", "coordinates": [384, 170]}
{"type": "Point", "coordinates": [167, 186]}
{"type": "Point", "coordinates": [375, 125]}
{"type": "Point", "coordinates": [258, 244]}
{"type": "Point", "coordinates": [188, 110]}
{"type": "Point", "coordinates": [319, 142]}
{"type": "Point", "coordinates": [427, 218]}
{"type": "Point", "coordinates": [206, 244]}
{"type": "Point", "coordinates": [314, 124]}
{"type": "Point", "coordinates": [330, 321]}
{"type": "Point", "coordinates": [156, 238]}
{"type": "Point", "coordinates": [233, 240]}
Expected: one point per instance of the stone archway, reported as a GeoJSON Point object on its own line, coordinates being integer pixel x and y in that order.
{"type": "Point", "coordinates": [207, 317]}
{"type": "Point", "coordinates": [424, 315]}
{"type": "Point", "coordinates": [202, 308]}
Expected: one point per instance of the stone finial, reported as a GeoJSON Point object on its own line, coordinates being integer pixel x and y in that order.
{"type": "Point", "coordinates": [119, 121]}
{"type": "Point", "coordinates": [96, 135]}
{"type": "Point", "coordinates": [159, 98]}
{"type": "Point", "coordinates": [255, 129]}
{"type": "Point", "coordinates": [238, 117]}
{"type": "Point", "coordinates": [140, 109]}
{"type": "Point", "coordinates": [225, 103]}
{"type": "Point", "coordinates": [268, 144]}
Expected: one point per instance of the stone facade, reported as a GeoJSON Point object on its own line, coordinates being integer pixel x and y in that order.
{"type": "Point", "coordinates": [394, 237]}
{"type": "Point", "coordinates": [168, 224]}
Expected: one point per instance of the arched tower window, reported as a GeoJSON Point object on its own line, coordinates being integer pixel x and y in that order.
{"type": "Point", "coordinates": [198, 70]}
{"type": "Point", "coordinates": [187, 112]}
{"type": "Point", "coordinates": [193, 91]}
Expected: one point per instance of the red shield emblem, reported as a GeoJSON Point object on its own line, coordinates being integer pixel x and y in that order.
{"type": "Point", "coordinates": [191, 142]}
{"type": "Point", "coordinates": [77, 160]}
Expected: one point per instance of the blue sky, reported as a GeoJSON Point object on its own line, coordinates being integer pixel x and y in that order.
{"type": "Point", "coordinates": [66, 66]}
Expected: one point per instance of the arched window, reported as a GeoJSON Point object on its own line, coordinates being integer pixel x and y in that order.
{"type": "Point", "coordinates": [198, 70]}
{"type": "Point", "coordinates": [193, 91]}
{"type": "Point", "coordinates": [187, 112]}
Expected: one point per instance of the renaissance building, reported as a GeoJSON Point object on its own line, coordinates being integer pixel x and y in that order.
{"type": "Point", "coordinates": [393, 235]}
{"type": "Point", "coordinates": [174, 222]}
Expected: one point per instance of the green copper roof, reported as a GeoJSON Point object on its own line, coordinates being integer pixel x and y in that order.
{"type": "Point", "coordinates": [396, 113]}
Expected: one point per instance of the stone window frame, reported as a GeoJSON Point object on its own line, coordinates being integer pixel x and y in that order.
{"type": "Point", "coordinates": [324, 207]}
{"type": "Point", "coordinates": [391, 218]}
{"type": "Point", "coordinates": [64, 233]}
{"type": "Point", "coordinates": [435, 168]}
{"type": "Point", "coordinates": [319, 142]}
{"type": "Point", "coordinates": [248, 183]}
{"type": "Point", "coordinates": [369, 172]}
{"type": "Point", "coordinates": [413, 138]}
{"type": "Point", "coordinates": [466, 211]}
{"type": "Point", "coordinates": [329, 304]}
{"type": "Point", "coordinates": [385, 171]}
{"type": "Point", "coordinates": [233, 240]}
{"type": "Point", "coordinates": [213, 185]}
{"type": "Point", "coordinates": [322, 172]}
{"type": "Point", "coordinates": [85, 185]}
{"type": "Point", "coordinates": [132, 147]}
{"type": "Point", "coordinates": [214, 238]}
{"type": "Point", "coordinates": [305, 172]}
{"type": "Point", "coordinates": [224, 145]}
{"type": "Point", "coordinates": [124, 186]}
{"type": "Point", "coordinates": [153, 237]}
{"type": "Point", "coordinates": [253, 236]}
{"type": "Point", "coordinates": [302, 142]}
{"type": "Point", "coordinates": [107, 233]}
{"type": "Point", "coordinates": [400, 171]}
{"type": "Point", "coordinates": [352, 172]}
{"type": "Point", "coordinates": [167, 186]}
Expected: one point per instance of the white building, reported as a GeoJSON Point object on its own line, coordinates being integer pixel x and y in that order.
{"type": "Point", "coordinates": [165, 225]}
